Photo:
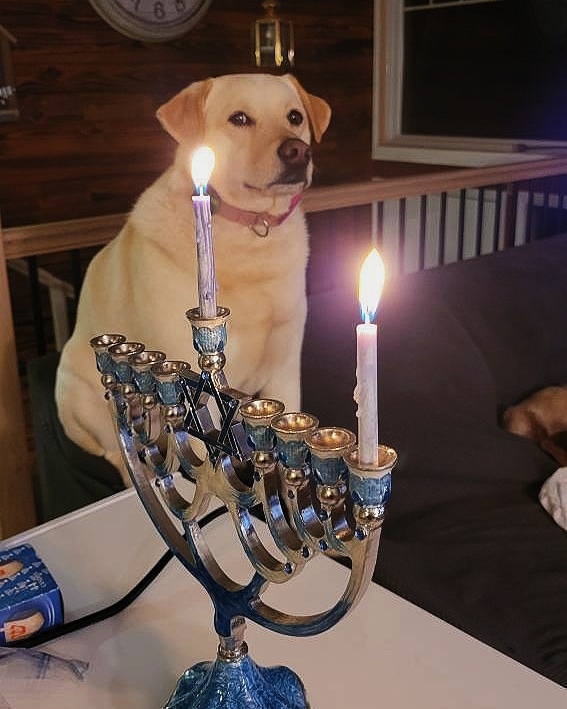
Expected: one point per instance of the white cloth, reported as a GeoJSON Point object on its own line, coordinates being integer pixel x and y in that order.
{"type": "Point", "coordinates": [553, 496]}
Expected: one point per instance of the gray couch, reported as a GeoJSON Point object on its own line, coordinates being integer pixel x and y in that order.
{"type": "Point", "coordinates": [465, 536]}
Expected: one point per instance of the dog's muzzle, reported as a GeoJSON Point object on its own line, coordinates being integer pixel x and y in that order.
{"type": "Point", "coordinates": [295, 155]}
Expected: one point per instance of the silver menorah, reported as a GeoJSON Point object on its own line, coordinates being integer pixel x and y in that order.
{"type": "Point", "coordinates": [266, 466]}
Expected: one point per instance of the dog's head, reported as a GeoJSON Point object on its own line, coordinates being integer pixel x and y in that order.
{"type": "Point", "coordinates": [260, 127]}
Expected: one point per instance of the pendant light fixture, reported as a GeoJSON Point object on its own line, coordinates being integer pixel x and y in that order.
{"type": "Point", "coordinates": [273, 39]}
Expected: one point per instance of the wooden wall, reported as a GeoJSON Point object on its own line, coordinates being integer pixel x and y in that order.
{"type": "Point", "coordinates": [87, 141]}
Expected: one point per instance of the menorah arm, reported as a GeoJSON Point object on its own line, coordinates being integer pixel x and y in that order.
{"type": "Point", "coordinates": [146, 489]}
{"type": "Point", "coordinates": [306, 625]}
{"type": "Point", "coordinates": [232, 600]}
{"type": "Point", "coordinates": [268, 490]}
{"type": "Point", "coordinates": [263, 562]}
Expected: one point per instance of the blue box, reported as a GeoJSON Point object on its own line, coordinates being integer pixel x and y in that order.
{"type": "Point", "coordinates": [30, 599]}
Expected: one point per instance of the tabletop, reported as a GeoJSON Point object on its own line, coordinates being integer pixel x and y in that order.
{"type": "Point", "coordinates": [387, 652]}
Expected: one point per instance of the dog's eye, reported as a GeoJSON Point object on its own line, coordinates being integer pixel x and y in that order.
{"type": "Point", "coordinates": [295, 118]}
{"type": "Point", "coordinates": [239, 118]}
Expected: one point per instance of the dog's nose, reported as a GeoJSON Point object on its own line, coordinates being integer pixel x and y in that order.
{"type": "Point", "coordinates": [294, 153]}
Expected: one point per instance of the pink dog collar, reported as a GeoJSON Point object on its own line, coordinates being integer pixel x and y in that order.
{"type": "Point", "coordinates": [259, 222]}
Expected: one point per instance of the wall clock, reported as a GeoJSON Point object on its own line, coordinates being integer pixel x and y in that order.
{"type": "Point", "coordinates": [151, 20]}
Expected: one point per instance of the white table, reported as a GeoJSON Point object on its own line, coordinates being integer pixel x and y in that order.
{"type": "Point", "coordinates": [386, 653]}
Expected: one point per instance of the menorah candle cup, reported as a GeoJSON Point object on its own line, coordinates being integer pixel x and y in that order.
{"type": "Point", "coordinates": [291, 430]}
{"type": "Point", "coordinates": [257, 416]}
{"type": "Point", "coordinates": [141, 364]}
{"type": "Point", "coordinates": [370, 483]}
{"type": "Point", "coordinates": [209, 338]}
{"type": "Point", "coordinates": [167, 376]}
{"type": "Point", "coordinates": [104, 362]}
{"type": "Point", "coordinates": [120, 354]}
{"type": "Point", "coordinates": [142, 398]}
{"type": "Point", "coordinates": [328, 447]}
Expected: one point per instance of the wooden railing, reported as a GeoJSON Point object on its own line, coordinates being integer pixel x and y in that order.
{"type": "Point", "coordinates": [94, 231]}
{"type": "Point", "coordinates": [16, 497]}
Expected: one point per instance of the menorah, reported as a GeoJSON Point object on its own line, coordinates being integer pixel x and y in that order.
{"type": "Point", "coordinates": [267, 467]}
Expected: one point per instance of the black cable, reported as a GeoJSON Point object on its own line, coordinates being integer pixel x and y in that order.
{"type": "Point", "coordinates": [116, 607]}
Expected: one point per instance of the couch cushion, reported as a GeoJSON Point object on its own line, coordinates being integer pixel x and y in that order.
{"type": "Point", "coordinates": [68, 476]}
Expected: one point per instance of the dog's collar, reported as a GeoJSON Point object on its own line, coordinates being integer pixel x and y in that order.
{"type": "Point", "coordinates": [259, 222]}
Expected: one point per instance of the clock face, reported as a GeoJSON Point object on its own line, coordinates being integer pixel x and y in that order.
{"type": "Point", "coordinates": [151, 20]}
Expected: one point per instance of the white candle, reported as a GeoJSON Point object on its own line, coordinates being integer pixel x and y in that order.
{"type": "Point", "coordinates": [201, 169]}
{"type": "Point", "coordinates": [370, 287]}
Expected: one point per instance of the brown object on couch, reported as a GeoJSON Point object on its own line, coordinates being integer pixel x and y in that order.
{"type": "Point", "coordinates": [542, 417]}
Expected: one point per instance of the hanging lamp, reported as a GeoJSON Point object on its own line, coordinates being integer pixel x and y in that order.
{"type": "Point", "coordinates": [273, 39]}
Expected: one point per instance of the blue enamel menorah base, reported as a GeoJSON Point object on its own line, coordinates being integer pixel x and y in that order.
{"type": "Point", "coordinates": [315, 495]}
{"type": "Point", "coordinates": [238, 685]}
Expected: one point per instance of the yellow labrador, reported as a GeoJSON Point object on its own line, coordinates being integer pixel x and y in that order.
{"type": "Point", "coordinates": [260, 127]}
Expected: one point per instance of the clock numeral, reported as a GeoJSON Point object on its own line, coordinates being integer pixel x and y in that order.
{"type": "Point", "coordinates": [159, 10]}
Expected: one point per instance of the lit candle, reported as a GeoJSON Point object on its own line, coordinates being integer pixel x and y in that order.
{"type": "Point", "coordinates": [370, 286]}
{"type": "Point", "coordinates": [201, 168]}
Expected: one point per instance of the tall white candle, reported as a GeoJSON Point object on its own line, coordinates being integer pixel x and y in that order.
{"type": "Point", "coordinates": [371, 282]}
{"type": "Point", "coordinates": [201, 168]}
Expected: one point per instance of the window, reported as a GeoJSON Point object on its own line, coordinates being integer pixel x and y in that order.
{"type": "Point", "coordinates": [469, 82]}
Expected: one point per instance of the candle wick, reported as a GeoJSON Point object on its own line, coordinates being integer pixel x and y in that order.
{"type": "Point", "coordinates": [201, 191]}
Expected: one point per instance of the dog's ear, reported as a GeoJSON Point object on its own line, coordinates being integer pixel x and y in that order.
{"type": "Point", "coordinates": [183, 115]}
{"type": "Point", "coordinates": [318, 110]}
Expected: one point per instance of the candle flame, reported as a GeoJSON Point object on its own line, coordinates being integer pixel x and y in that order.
{"type": "Point", "coordinates": [202, 166]}
{"type": "Point", "coordinates": [370, 284]}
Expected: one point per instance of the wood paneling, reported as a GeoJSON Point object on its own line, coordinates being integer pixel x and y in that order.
{"type": "Point", "coordinates": [88, 143]}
